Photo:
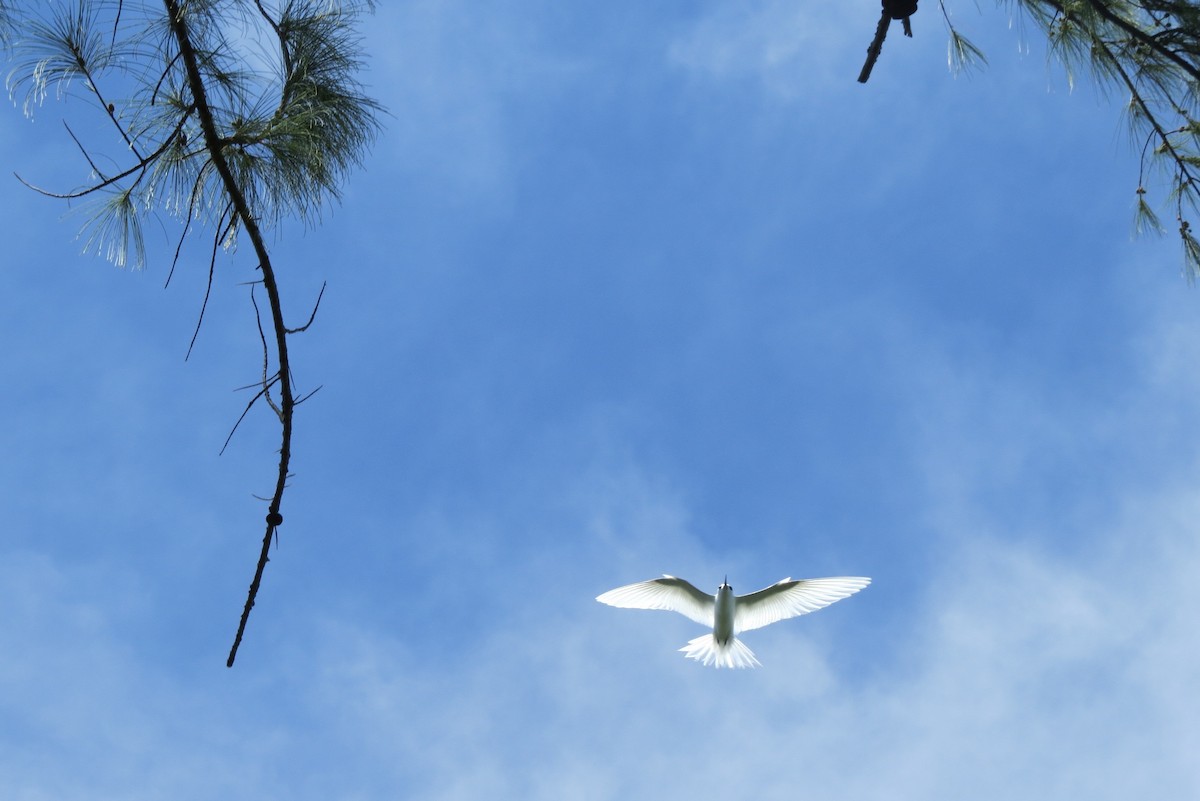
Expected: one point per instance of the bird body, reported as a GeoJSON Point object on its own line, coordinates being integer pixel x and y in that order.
{"type": "Point", "coordinates": [729, 615]}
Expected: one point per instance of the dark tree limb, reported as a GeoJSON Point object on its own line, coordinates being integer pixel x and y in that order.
{"type": "Point", "coordinates": [875, 48]}
{"type": "Point", "coordinates": [892, 9]}
{"type": "Point", "coordinates": [245, 216]}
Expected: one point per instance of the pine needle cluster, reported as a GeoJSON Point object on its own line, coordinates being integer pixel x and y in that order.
{"type": "Point", "coordinates": [1147, 51]}
{"type": "Point", "coordinates": [288, 113]}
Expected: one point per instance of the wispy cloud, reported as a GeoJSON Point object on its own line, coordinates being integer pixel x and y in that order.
{"type": "Point", "coordinates": [453, 78]}
{"type": "Point", "coordinates": [1023, 673]}
{"type": "Point", "coordinates": [791, 49]}
{"type": "Point", "coordinates": [715, 343]}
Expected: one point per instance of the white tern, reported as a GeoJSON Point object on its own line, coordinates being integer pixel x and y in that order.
{"type": "Point", "coordinates": [729, 614]}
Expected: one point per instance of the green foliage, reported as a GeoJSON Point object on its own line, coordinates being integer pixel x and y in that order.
{"type": "Point", "coordinates": [114, 229]}
{"type": "Point", "coordinates": [961, 54]}
{"type": "Point", "coordinates": [6, 21]}
{"type": "Point", "coordinates": [1149, 52]}
{"type": "Point", "coordinates": [61, 47]}
{"type": "Point", "coordinates": [1144, 219]}
{"type": "Point", "coordinates": [290, 120]}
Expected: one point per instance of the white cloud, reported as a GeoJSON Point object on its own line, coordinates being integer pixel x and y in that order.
{"type": "Point", "coordinates": [1031, 664]}
{"type": "Point", "coordinates": [451, 77]}
{"type": "Point", "coordinates": [1022, 671]}
{"type": "Point", "coordinates": [791, 48]}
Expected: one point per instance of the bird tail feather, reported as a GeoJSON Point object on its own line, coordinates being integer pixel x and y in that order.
{"type": "Point", "coordinates": [733, 653]}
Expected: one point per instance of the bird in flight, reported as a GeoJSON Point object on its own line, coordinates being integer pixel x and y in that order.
{"type": "Point", "coordinates": [729, 615]}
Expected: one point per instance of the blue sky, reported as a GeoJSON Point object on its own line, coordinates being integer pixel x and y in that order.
{"type": "Point", "coordinates": [624, 290]}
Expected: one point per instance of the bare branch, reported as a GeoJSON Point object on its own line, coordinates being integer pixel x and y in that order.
{"type": "Point", "coordinates": [140, 167]}
{"type": "Point", "coordinates": [262, 391]}
{"type": "Point", "coordinates": [312, 316]}
{"type": "Point", "coordinates": [246, 218]}
{"type": "Point", "coordinates": [309, 395]}
{"type": "Point", "coordinates": [87, 156]}
{"type": "Point", "coordinates": [876, 47]}
{"type": "Point", "coordinates": [266, 353]}
{"type": "Point", "coordinates": [212, 267]}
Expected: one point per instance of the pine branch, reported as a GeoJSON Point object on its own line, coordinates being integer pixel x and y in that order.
{"type": "Point", "coordinates": [1151, 50]}
{"type": "Point", "coordinates": [245, 215]}
{"type": "Point", "coordinates": [1141, 36]}
{"type": "Point", "coordinates": [900, 10]}
{"type": "Point", "coordinates": [876, 47]}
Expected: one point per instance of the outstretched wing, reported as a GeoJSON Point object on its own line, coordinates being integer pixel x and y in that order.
{"type": "Point", "coordinates": [791, 598]}
{"type": "Point", "coordinates": [668, 592]}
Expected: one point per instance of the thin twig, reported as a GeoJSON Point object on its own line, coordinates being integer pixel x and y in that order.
{"type": "Point", "coordinates": [262, 390]}
{"type": "Point", "coordinates": [212, 268]}
{"type": "Point", "coordinates": [117, 22]}
{"type": "Point", "coordinates": [309, 395]}
{"type": "Point", "coordinates": [141, 165]}
{"type": "Point", "coordinates": [312, 316]}
{"type": "Point", "coordinates": [187, 224]}
{"type": "Point", "coordinates": [109, 108]}
{"type": "Point", "coordinates": [266, 355]}
{"type": "Point", "coordinates": [283, 43]}
{"type": "Point", "coordinates": [83, 150]}
{"type": "Point", "coordinates": [162, 77]}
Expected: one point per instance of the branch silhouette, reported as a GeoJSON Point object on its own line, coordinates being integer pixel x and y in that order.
{"type": "Point", "coordinates": [892, 9]}
{"type": "Point", "coordinates": [207, 139]}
